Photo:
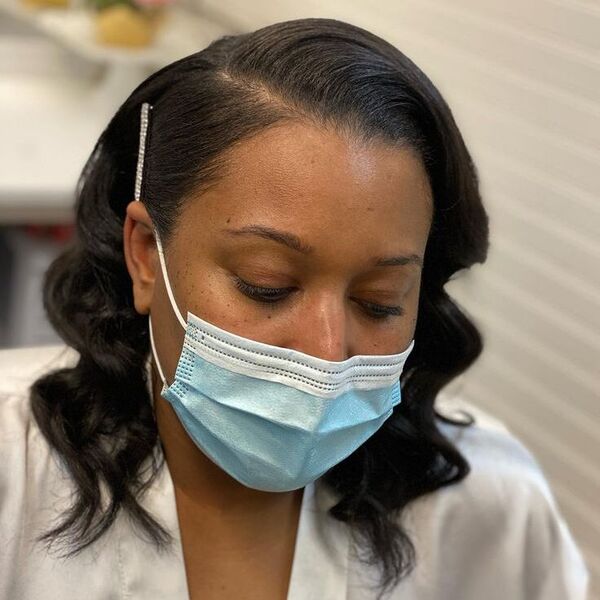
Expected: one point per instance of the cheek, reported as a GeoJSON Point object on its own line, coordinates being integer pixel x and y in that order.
{"type": "Point", "coordinates": [390, 338]}
{"type": "Point", "coordinates": [214, 298]}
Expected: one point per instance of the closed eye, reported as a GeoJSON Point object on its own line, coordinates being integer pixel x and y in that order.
{"type": "Point", "coordinates": [273, 295]}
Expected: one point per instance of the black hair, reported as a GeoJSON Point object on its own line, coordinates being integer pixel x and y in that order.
{"type": "Point", "coordinates": [98, 417]}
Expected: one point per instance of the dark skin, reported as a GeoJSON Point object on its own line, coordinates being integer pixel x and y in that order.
{"type": "Point", "coordinates": [349, 202]}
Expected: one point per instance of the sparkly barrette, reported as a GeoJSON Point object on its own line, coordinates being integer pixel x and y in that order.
{"type": "Point", "coordinates": [144, 117]}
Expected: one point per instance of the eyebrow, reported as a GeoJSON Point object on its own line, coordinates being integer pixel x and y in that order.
{"type": "Point", "coordinates": [295, 243]}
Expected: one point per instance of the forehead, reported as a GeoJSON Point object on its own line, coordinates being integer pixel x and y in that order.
{"type": "Point", "coordinates": [314, 181]}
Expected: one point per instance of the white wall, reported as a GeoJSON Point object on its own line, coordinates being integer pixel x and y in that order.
{"type": "Point", "coordinates": [523, 80]}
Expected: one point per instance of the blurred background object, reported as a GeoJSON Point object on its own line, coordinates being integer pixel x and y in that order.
{"type": "Point", "coordinates": [25, 254]}
{"type": "Point", "coordinates": [523, 81]}
{"type": "Point", "coordinates": [59, 87]}
{"type": "Point", "coordinates": [129, 23]}
{"type": "Point", "coordinates": [64, 70]}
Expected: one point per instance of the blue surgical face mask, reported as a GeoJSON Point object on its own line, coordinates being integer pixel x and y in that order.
{"type": "Point", "coordinates": [274, 418]}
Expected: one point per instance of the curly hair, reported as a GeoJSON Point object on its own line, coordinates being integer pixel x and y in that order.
{"type": "Point", "coordinates": [98, 416]}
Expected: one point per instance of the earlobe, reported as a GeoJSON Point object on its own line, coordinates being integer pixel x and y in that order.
{"type": "Point", "coordinates": [139, 248]}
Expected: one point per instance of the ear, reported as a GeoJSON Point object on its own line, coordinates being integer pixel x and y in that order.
{"type": "Point", "coordinates": [141, 255]}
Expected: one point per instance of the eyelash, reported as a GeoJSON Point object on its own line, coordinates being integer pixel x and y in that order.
{"type": "Point", "coordinates": [377, 312]}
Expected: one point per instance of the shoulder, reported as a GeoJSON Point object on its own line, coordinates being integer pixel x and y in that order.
{"type": "Point", "coordinates": [502, 516]}
{"type": "Point", "coordinates": [19, 369]}
{"type": "Point", "coordinates": [29, 478]}
{"type": "Point", "coordinates": [35, 490]}
{"type": "Point", "coordinates": [494, 453]}
{"type": "Point", "coordinates": [23, 450]}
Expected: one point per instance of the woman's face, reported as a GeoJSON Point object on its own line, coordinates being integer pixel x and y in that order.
{"type": "Point", "coordinates": [337, 229]}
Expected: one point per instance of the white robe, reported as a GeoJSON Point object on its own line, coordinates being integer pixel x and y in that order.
{"type": "Point", "coordinates": [497, 535]}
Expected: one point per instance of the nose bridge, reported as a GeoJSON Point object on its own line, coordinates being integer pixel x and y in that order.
{"type": "Point", "coordinates": [323, 329]}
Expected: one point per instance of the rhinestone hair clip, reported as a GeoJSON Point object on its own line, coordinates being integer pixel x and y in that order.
{"type": "Point", "coordinates": [144, 118]}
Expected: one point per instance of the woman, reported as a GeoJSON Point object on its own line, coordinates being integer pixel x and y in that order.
{"type": "Point", "coordinates": [264, 232]}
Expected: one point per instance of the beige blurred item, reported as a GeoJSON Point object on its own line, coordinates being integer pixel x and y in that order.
{"type": "Point", "coordinates": [46, 3]}
{"type": "Point", "coordinates": [123, 25]}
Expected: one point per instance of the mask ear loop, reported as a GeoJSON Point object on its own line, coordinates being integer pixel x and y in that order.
{"type": "Point", "coordinates": [163, 268]}
{"type": "Point", "coordinates": [155, 355]}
